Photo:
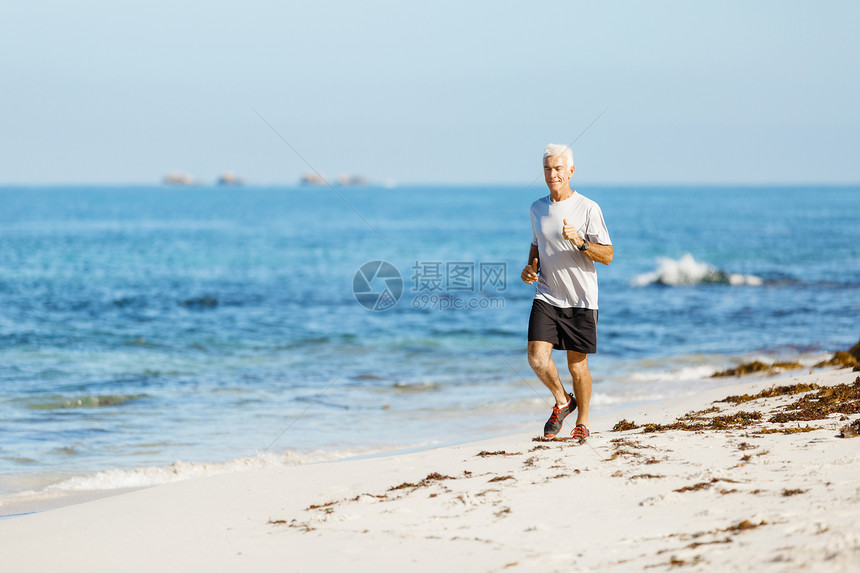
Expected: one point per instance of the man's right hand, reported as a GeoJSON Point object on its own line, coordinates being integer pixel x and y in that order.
{"type": "Point", "coordinates": [530, 273]}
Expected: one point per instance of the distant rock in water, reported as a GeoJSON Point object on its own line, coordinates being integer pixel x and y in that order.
{"type": "Point", "coordinates": [201, 302]}
{"type": "Point", "coordinates": [351, 180]}
{"type": "Point", "coordinates": [313, 178]}
{"type": "Point", "coordinates": [230, 179]}
{"type": "Point", "coordinates": [177, 179]}
{"type": "Point", "coordinates": [688, 271]}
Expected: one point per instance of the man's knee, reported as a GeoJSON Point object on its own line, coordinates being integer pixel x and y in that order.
{"type": "Point", "coordinates": [537, 361]}
{"type": "Point", "coordinates": [539, 356]}
{"type": "Point", "coordinates": [577, 363]}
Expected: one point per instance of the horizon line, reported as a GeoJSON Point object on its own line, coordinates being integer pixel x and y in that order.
{"type": "Point", "coordinates": [396, 184]}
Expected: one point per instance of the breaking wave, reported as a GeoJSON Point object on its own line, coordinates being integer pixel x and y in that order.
{"type": "Point", "coordinates": [689, 271]}
{"type": "Point", "coordinates": [181, 470]}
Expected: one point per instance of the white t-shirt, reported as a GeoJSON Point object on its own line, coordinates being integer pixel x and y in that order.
{"type": "Point", "coordinates": [567, 277]}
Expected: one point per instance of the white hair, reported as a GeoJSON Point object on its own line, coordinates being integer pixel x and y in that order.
{"type": "Point", "coordinates": [556, 149]}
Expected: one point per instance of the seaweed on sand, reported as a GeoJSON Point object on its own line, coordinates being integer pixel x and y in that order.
{"type": "Point", "coordinates": [841, 359]}
{"type": "Point", "coordinates": [816, 403]}
{"type": "Point", "coordinates": [841, 398]}
{"type": "Point", "coordinates": [851, 430]}
{"type": "Point", "coordinates": [433, 477]}
{"type": "Point", "coordinates": [624, 425]}
{"type": "Point", "coordinates": [692, 422]}
{"type": "Point", "coordinates": [704, 485]}
{"type": "Point", "coordinates": [757, 366]}
{"type": "Point", "coordinates": [771, 392]}
{"type": "Point", "coordinates": [794, 430]}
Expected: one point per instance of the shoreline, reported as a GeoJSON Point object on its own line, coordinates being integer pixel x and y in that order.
{"type": "Point", "coordinates": [82, 484]}
{"type": "Point", "coordinates": [667, 498]}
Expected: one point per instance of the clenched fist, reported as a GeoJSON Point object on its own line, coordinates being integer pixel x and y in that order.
{"type": "Point", "coordinates": [530, 273]}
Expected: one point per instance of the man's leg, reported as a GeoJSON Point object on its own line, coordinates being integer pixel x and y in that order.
{"type": "Point", "coordinates": [540, 359]}
{"type": "Point", "coordinates": [577, 363]}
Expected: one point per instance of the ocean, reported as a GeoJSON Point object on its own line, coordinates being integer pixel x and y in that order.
{"type": "Point", "coordinates": [152, 333]}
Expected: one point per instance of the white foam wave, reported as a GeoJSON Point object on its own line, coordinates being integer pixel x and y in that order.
{"type": "Point", "coordinates": [180, 470]}
{"type": "Point", "coordinates": [689, 271]}
{"type": "Point", "coordinates": [602, 400]}
{"type": "Point", "coordinates": [748, 280]}
{"type": "Point", "coordinates": [699, 372]}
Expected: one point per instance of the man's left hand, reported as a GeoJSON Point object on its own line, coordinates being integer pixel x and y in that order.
{"type": "Point", "coordinates": [569, 232]}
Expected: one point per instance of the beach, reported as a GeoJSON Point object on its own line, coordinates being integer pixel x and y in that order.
{"type": "Point", "coordinates": [729, 491]}
{"type": "Point", "coordinates": [137, 328]}
{"type": "Point", "coordinates": [262, 308]}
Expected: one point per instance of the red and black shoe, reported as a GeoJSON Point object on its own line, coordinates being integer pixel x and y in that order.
{"type": "Point", "coordinates": [579, 434]}
{"type": "Point", "coordinates": [553, 425]}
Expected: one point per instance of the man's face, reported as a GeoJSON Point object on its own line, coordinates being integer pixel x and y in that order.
{"type": "Point", "coordinates": [557, 172]}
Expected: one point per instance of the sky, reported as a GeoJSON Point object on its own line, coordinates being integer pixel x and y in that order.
{"type": "Point", "coordinates": [438, 92]}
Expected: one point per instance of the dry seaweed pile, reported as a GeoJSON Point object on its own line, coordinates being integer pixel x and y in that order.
{"type": "Point", "coordinates": [696, 421]}
{"type": "Point", "coordinates": [771, 392]}
{"type": "Point", "coordinates": [817, 403]}
{"type": "Point", "coordinates": [843, 359]}
{"type": "Point", "coordinates": [758, 366]}
{"type": "Point", "coordinates": [840, 399]}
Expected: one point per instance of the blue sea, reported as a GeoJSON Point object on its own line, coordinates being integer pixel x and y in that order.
{"type": "Point", "coordinates": [149, 333]}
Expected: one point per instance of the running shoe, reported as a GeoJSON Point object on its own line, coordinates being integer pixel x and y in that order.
{"type": "Point", "coordinates": [579, 434]}
{"type": "Point", "coordinates": [553, 425]}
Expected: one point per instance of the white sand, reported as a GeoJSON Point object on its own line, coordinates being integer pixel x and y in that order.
{"type": "Point", "coordinates": [605, 506]}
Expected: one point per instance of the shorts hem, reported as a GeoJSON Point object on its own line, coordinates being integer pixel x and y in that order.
{"type": "Point", "coordinates": [568, 329]}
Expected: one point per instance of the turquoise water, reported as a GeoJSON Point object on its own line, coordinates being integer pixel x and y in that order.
{"type": "Point", "coordinates": [140, 326]}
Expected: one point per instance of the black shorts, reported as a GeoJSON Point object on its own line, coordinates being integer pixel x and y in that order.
{"type": "Point", "coordinates": [566, 328]}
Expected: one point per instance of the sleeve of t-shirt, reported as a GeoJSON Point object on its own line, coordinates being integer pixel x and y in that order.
{"type": "Point", "coordinates": [534, 234]}
{"type": "Point", "coordinates": [597, 231]}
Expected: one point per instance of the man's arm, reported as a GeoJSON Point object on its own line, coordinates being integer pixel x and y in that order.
{"type": "Point", "coordinates": [530, 272]}
{"type": "Point", "coordinates": [596, 252]}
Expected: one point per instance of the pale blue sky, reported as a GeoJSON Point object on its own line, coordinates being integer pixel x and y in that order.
{"type": "Point", "coordinates": [448, 92]}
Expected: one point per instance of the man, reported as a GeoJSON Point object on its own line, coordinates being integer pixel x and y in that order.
{"type": "Point", "coordinates": [569, 235]}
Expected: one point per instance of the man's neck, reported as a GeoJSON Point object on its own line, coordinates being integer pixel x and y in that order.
{"type": "Point", "coordinates": [561, 195]}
